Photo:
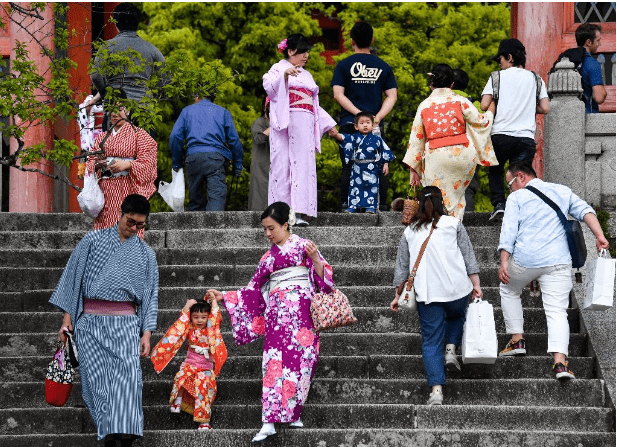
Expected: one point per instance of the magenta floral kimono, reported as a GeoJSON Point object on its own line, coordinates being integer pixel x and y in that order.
{"type": "Point", "coordinates": [281, 313]}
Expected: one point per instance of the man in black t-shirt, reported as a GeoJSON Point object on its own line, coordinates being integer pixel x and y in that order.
{"type": "Point", "coordinates": [359, 83]}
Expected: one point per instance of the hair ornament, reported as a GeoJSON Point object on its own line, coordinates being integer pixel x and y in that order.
{"type": "Point", "coordinates": [291, 220]}
{"type": "Point", "coordinates": [430, 75]}
{"type": "Point", "coordinates": [282, 45]}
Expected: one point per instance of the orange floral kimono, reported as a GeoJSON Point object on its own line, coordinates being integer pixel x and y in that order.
{"type": "Point", "coordinates": [449, 138]}
{"type": "Point", "coordinates": [196, 380]}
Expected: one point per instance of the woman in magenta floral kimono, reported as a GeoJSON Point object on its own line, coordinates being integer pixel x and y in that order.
{"type": "Point", "coordinates": [276, 304]}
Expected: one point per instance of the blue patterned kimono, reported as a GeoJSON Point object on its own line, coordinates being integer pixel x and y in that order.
{"type": "Point", "coordinates": [102, 267]}
{"type": "Point", "coordinates": [369, 153]}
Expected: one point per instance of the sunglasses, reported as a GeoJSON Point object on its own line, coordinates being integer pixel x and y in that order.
{"type": "Point", "coordinates": [133, 223]}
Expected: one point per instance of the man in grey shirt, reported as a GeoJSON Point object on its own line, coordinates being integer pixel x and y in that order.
{"type": "Point", "coordinates": [127, 18]}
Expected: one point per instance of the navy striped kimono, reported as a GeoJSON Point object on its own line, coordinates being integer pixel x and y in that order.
{"type": "Point", "coordinates": [102, 267]}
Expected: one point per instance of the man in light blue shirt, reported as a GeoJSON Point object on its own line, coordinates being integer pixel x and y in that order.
{"type": "Point", "coordinates": [533, 246]}
{"type": "Point", "coordinates": [211, 139]}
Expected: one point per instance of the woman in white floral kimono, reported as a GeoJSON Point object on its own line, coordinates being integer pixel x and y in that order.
{"type": "Point", "coordinates": [449, 138]}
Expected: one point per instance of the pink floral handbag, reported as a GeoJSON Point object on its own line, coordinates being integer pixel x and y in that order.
{"type": "Point", "coordinates": [331, 310]}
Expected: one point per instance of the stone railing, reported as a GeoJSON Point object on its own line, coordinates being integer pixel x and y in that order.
{"type": "Point", "coordinates": [579, 148]}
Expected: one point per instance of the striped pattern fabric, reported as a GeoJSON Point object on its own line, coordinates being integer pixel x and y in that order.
{"type": "Point", "coordinates": [110, 369]}
{"type": "Point", "coordinates": [102, 267]}
{"type": "Point", "coordinates": [128, 142]}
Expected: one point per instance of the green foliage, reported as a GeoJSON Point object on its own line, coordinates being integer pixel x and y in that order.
{"type": "Point", "coordinates": [411, 37]}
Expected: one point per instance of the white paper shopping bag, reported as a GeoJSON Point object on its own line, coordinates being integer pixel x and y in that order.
{"type": "Point", "coordinates": [479, 334]}
{"type": "Point", "coordinates": [600, 282]}
{"type": "Point", "coordinates": [173, 193]}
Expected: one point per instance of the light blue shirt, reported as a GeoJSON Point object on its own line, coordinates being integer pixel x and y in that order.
{"type": "Point", "coordinates": [531, 230]}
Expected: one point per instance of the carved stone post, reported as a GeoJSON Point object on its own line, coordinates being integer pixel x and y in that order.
{"type": "Point", "coordinates": [564, 156]}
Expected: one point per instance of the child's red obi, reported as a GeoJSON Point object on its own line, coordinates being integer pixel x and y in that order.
{"type": "Point", "coordinates": [444, 125]}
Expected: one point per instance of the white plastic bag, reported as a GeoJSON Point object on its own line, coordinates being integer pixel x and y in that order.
{"type": "Point", "coordinates": [173, 193]}
{"type": "Point", "coordinates": [479, 334]}
{"type": "Point", "coordinates": [91, 199]}
{"type": "Point", "coordinates": [599, 282]}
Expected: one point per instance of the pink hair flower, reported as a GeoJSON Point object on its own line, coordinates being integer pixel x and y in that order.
{"type": "Point", "coordinates": [282, 45]}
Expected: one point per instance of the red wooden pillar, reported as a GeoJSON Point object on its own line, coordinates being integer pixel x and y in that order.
{"type": "Point", "coordinates": [110, 29]}
{"type": "Point", "coordinates": [79, 18]}
{"type": "Point", "coordinates": [538, 25]}
{"type": "Point", "coordinates": [29, 191]}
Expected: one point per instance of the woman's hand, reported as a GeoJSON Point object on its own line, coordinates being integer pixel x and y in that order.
{"type": "Point", "coordinates": [292, 71]}
{"type": "Point", "coordinates": [212, 293]}
{"type": "Point", "coordinates": [311, 250]}
{"type": "Point", "coordinates": [144, 344]}
{"type": "Point", "coordinates": [120, 165]}
{"type": "Point", "coordinates": [477, 292]}
{"type": "Point", "coordinates": [385, 169]}
{"type": "Point", "coordinates": [414, 178]}
{"type": "Point", "coordinates": [67, 325]}
{"type": "Point", "coordinates": [100, 162]}
{"type": "Point", "coordinates": [394, 303]}
{"type": "Point", "coordinates": [189, 304]}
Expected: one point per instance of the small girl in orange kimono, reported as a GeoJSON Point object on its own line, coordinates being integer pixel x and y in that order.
{"type": "Point", "coordinates": [194, 387]}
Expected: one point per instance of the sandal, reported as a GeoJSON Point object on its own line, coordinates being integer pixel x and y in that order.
{"type": "Point", "coordinates": [204, 426]}
{"type": "Point", "coordinates": [175, 408]}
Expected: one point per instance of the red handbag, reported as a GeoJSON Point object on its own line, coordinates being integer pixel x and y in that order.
{"type": "Point", "coordinates": [59, 378]}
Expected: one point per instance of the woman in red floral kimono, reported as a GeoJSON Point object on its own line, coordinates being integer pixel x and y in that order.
{"type": "Point", "coordinates": [449, 138]}
{"type": "Point", "coordinates": [132, 170]}
{"type": "Point", "coordinates": [276, 304]}
{"type": "Point", "coordinates": [194, 386]}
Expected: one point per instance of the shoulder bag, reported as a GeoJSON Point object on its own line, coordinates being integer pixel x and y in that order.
{"type": "Point", "coordinates": [574, 232]}
{"type": "Point", "coordinates": [407, 294]}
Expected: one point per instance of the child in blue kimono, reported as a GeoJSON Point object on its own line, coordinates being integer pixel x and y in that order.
{"type": "Point", "coordinates": [369, 154]}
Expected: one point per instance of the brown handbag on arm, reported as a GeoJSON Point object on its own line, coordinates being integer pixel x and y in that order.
{"type": "Point", "coordinates": [410, 206]}
{"type": "Point", "coordinates": [405, 291]}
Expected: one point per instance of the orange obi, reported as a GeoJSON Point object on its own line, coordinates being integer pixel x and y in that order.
{"type": "Point", "coordinates": [444, 125]}
{"type": "Point", "coordinates": [301, 98]}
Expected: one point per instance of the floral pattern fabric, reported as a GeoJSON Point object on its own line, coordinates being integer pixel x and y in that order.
{"type": "Point", "coordinates": [451, 167]}
{"type": "Point", "coordinates": [196, 385]}
{"type": "Point", "coordinates": [368, 152]}
{"type": "Point", "coordinates": [283, 317]}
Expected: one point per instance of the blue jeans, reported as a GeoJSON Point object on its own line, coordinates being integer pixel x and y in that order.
{"type": "Point", "coordinates": [507, 148]}
{"type": "Point", "coordinates": [206, 170]}
{"type": "Point", "coordinates": [441, 324]}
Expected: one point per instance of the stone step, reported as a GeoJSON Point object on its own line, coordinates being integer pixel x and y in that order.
{"type": "Point", "coordinates": [376, 319]}
{"type": "Point", "coordinates": [175, 298]}
{"type": "Point", "coordinates": [329, 416]}
{"type": "Point", "coordinates": [28, 369]}
{"type": "Point", "coordinates": [342, 437]}
{"type": "Point", "coordinates": [17, 279]}
{"type": "Point", "coordinates": [334, 254]}
{"type": "Point", "coordinates": [525, 392]}
{"type": "Point", "coordinates": [231, 237]}
{"type": "Point", "coordinates": [227, 219]}
{"type": "Point", "coordinates": [333, 343]}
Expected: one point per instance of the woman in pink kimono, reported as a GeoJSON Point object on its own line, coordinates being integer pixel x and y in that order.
{"type": "Point", "coordinates": [276, 304]}
{"type": "Point", "coordinates": [297, 124]}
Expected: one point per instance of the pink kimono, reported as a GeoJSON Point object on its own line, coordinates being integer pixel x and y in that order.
{"type": "Point", "coordinates": [297, 123]}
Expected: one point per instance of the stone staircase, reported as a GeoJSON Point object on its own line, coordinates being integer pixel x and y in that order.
{"type": "Point", "coordinates": [369, 387]}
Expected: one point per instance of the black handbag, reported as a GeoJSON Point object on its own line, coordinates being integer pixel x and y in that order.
{"type": "Point", "coordinates": [574, 232]}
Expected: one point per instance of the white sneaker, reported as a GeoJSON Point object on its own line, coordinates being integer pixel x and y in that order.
{"type": "Point", "coordinates": [264, 434]}
{"type": "Point", "coordinates": [436, 398]}
{"type": "Point", "coordinates": [301, 222]}
{"type": "Point", "coordinates": [297, 424]}
{"type": "Point", "coordinates": [452, 363]}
